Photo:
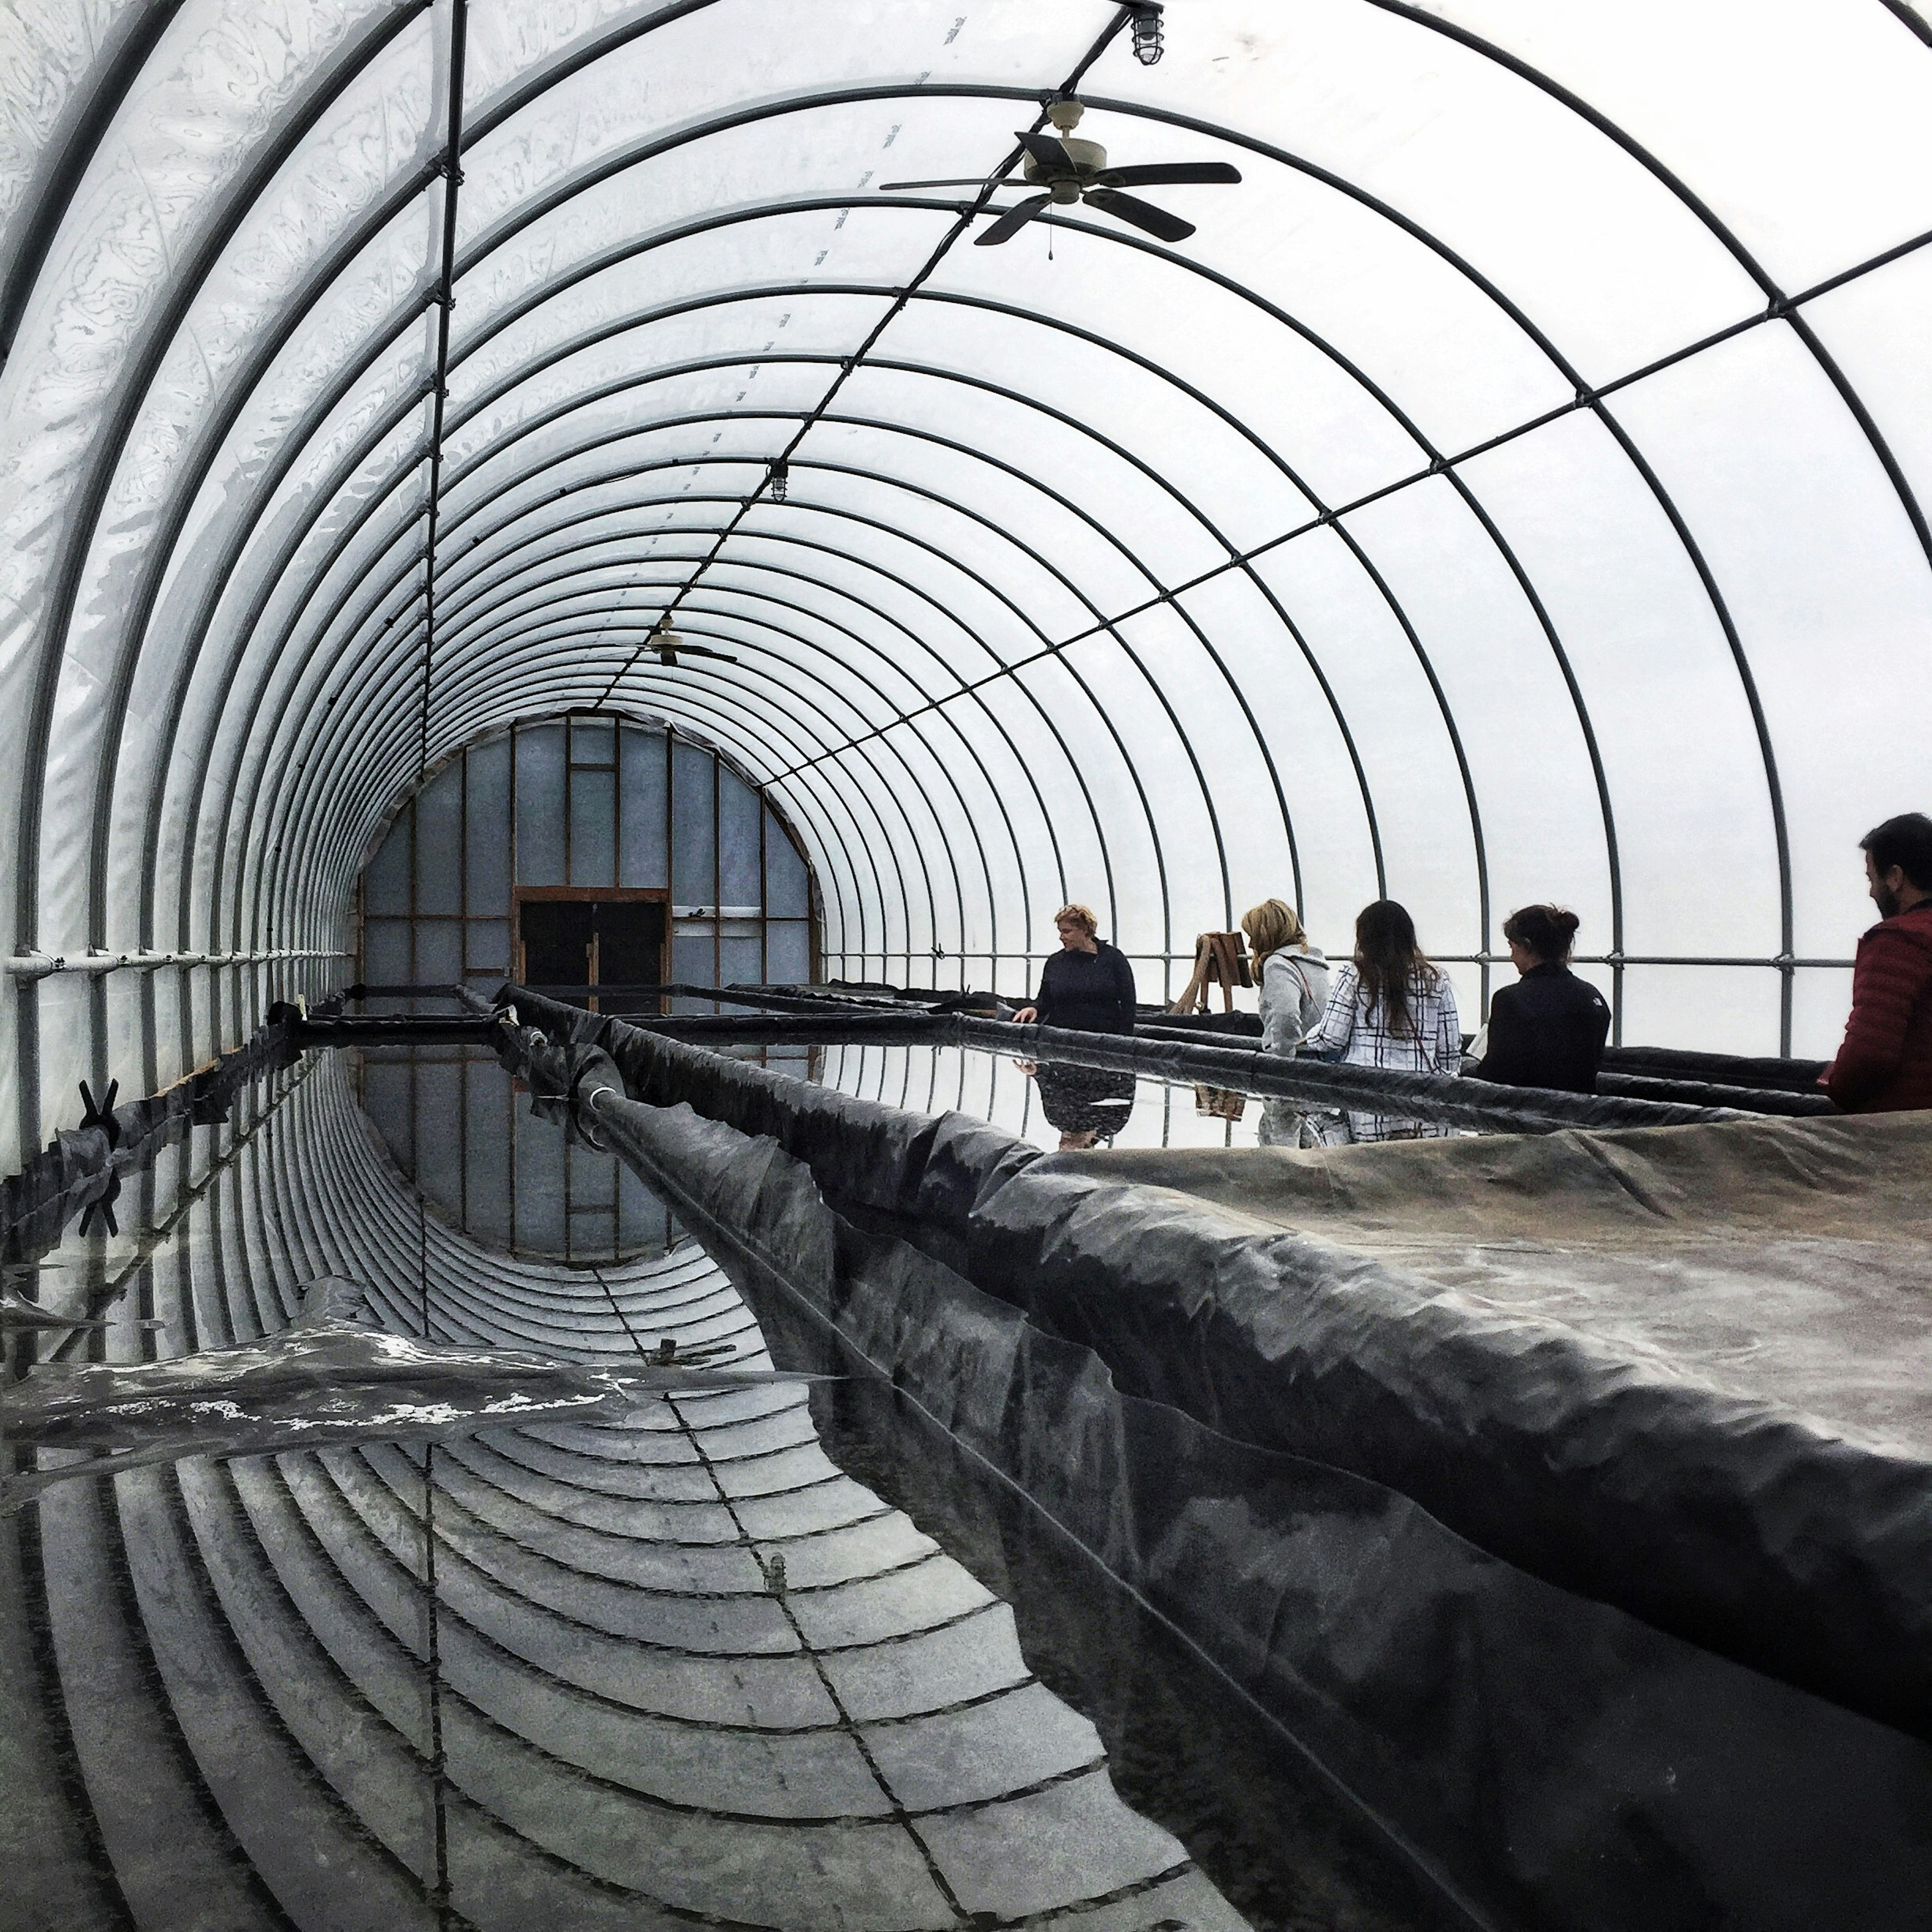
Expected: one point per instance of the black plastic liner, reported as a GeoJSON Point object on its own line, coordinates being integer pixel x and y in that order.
{"type": "Point", "coordinates": [1719, 1070]}
{"type": "Point", "coordinates": [1654, 1073]}
{"type": "Point", "coordinates": [1244, 1069]}
{"type": "Point", "coordinates": [1551, 1761]}
{"type": "Point", "coordinates": [80, 1170]}
{"type": "Point", "coordinates": [1169, 1047]}
{"type": "Point", "coordinates": [1238, 1068]}
{"type": "Point", "coordinates": [1753, 1530]}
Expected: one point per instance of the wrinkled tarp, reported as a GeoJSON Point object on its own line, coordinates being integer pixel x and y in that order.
{"type": "Point", "coordinates": [325, 1380]}
{"type": "Point", "coordinates": [1790, 1264]}
{"type": "Point", "coordinates": [1788, 1539]}
{"type": "Point", "coordinates": [1552, 1761]}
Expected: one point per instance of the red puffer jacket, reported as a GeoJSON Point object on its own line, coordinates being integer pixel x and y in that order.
{"type": "Point", "coordinates": [1885, 1065]}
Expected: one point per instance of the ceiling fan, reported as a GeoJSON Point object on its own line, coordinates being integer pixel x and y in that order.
{"type": "Point", "coordinates": [1067, 170]}
{"type": "Point", "coordinates": [668, 643]}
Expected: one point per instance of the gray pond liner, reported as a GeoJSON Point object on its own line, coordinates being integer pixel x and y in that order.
{"type": "Point", "coordinates": [1669, 1670]}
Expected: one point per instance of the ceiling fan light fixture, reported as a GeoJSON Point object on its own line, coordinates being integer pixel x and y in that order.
{"type": "Point", "coordinates": [1066, 170]}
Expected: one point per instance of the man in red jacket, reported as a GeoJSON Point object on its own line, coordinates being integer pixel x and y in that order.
{"type": "Point", "coordinates": [1885, 1065]}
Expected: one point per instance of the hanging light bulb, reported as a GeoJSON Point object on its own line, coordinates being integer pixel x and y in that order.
{"type": "Point", "coordinates": [1146, 29]}
{"type": "Point", "coordinates": [780, 480]}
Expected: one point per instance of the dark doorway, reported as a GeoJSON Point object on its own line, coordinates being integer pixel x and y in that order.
{"type": "Point", "coordinates": [571, 942]}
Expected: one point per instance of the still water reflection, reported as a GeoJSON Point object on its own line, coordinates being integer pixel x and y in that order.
{"type": "Point", "coordinates": [749, 1656]}
{"type": "Point", "coordinates": [1043, 1103]}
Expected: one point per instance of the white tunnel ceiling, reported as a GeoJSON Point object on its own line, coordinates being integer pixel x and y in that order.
{"type": "Point", "coordinates": [1513, 491]}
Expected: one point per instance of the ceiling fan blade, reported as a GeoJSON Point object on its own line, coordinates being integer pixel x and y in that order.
{"type": "Point", "coordinates": [1137, 214]}
{"type": "Point", "coordinates": [1015, 218]}
{"type": "Point", "coordinates": [1045, 150]}
{"type": "Point", "coordinates": [1169, 174]}
{"type": "Point", "coordinates": [959, 181]}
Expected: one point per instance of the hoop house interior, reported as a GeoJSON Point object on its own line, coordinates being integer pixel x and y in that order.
{"type": "Point", "coordinates": [1512, 490]}
{"type": "Point", "coordinates": [476, 465]}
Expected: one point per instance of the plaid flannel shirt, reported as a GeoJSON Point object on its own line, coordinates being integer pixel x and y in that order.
{"type": "Point", "coordinates": [1348, 1032]}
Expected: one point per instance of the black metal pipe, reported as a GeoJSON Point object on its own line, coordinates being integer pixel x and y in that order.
{"type": "Point", "coordinates": [1317, 1085]}
{"type": "Point", "coordinates": [307, 1029]}
{"type": "Point", "coordinates": [1322, 1085]}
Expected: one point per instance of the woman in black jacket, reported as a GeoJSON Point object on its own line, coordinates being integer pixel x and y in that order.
{"type": "Point", "coordinates": [1549, 1029]}
{"type": "Point", "coordinates": [1087, 986]}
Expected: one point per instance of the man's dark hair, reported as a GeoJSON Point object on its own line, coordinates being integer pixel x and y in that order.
{"type": "Point", "coordinates": [1905, 841]}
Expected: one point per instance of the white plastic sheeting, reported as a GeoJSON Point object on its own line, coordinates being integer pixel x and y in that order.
{"type": "Point", "coordinates": [1513, 490]}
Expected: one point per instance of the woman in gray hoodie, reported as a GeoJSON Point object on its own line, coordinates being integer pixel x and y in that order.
{"type": "Point", "coordinates": [1293, 976]}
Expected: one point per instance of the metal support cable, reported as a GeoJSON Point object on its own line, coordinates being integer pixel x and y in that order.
{"type": "Point", "coordinates": [439, 1888]}
{"type": "Point", "coordinates": [994, 181]}
{"type": "Point", "coordinates": [445, 300]}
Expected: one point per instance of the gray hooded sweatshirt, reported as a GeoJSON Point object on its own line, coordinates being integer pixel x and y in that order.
{"type": "Point", "coordinates": [1294, 991]}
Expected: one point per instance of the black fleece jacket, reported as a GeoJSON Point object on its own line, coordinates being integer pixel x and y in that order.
{"type": "Point", "coordinates": [1546, 1030]}
{"type": "Point", "coordinates": [1089, 992]}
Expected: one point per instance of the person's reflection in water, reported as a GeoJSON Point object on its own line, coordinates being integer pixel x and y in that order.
{"type": "Point", "coordinates": [1087, 986]}
{"type": "Point", "coordinates": [1089, 1105]}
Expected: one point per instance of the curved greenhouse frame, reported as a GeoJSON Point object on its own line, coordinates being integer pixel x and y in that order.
{"type": "Point", "coordinates": [579, 579]}
{"type": "Point", "coordinates": [1513, 490]}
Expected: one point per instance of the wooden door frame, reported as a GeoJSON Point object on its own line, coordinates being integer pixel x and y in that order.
{"type": "Point", "coordinates": [587, 895]}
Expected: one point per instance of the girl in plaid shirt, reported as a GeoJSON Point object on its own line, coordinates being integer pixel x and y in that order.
{"type": "Point", "coordinates": [1388, 1007]}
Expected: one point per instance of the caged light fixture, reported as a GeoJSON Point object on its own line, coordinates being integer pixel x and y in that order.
{"type": "Point", "coordinates": [780, 480]}
{"type": "Point", "coordinates": [1146, 27]}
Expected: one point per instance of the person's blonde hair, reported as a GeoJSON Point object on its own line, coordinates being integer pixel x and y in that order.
{"type": "Point", "coordinates": [1079, 915]}
{"type": "Point", "coordinates": [1270, 926]}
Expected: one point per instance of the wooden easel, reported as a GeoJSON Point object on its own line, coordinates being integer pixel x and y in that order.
{"type": "Point", "coordinates": [1220, 959]}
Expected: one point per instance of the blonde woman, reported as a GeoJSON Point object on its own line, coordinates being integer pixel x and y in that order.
{"type": "Point", "coordinates": [1293, 976]}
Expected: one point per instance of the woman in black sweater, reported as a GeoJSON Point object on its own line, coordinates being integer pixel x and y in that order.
{"type": "Point", "coordinates": [1549, 1029]}
{"type": "Point", "coordinates": [1087, 986]}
